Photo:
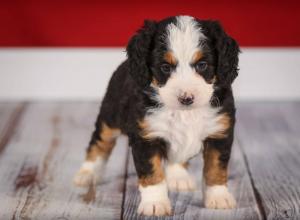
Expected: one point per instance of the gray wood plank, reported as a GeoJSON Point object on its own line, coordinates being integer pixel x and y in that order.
{"type": "Point", "coordinates": [41, 158]}
{"type": "Point", "coordinates": [10, 113]}
{"type": "Point", "coordinates": [269, 136]}
{"type": "Point", "coordinates": [188, 205]}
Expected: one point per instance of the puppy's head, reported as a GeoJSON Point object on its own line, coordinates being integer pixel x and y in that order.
{"type": "Point", "coordinates": [184, 59]}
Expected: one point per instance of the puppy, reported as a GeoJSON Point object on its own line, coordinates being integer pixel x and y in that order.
{"type": "Point", "coordinates": [172, 97]}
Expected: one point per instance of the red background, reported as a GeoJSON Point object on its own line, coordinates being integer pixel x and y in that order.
{"type": "Point", "coordinates": [111, 23]}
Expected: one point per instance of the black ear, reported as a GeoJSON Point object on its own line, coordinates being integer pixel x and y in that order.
{"type": "Point", "coordinates": [227, 51]}
{"type": "Point", "coordinates": [138, 53]}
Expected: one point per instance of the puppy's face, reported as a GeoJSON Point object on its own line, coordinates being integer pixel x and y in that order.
{"type": "Point", "coordinates": [185, 61]}
{"type": "Point", "coordinates": [182, 65]}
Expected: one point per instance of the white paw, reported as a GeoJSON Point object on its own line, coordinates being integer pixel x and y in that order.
{"type": "Point", "coordinates": [154, 200]}
{"type": "Point", "coordinates": [83, 178]}
{"type": "Point", "coordinates": [156, 208]}
{"type": "Point", "coordinates": [218, 197]}
{"type": "Point", "coordinates": [89, 173]}
{"type": "Point", "coordinates": [178, 179]}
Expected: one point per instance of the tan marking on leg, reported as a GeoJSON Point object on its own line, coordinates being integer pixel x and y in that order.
{"type": "Point", "coordinates": [108, 133]}
{"type": "Point", "coordinates": [103, 147]}
{"type": "Point", "coordinates": [170, 58]}
{"type": "Point", "coordinates": [224, 122]}
{"type": "Point", "coordinates": [214, 173]}
{"type": "Point", "coordinates": [157, 172]}
{"type": "Point", "coordinates": [197, 56]}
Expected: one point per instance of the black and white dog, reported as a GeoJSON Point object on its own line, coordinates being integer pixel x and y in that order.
{"type": "Point", "coordinates": [173, 98]}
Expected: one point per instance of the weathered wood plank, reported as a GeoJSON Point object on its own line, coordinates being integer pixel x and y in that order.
{"type": "Point", "coordinates": [37, 167]}
{"type": "Point", "coordinates": [10, 113]}
{"type": "Point", "coordinates": [188, 205]}
{"type": "Point", "coordinates": [269, 136]}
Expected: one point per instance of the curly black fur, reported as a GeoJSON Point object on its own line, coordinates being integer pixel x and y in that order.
{"type": "Point", "coordinates": [138, 53]}
{"type": "Point", "coordinates": [226, 50]}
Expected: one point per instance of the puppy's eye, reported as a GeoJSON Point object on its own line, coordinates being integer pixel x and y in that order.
{"type": "Point", "coordinates": [166, 68]}
{"type": "Point", "coordinates": [201, 66]}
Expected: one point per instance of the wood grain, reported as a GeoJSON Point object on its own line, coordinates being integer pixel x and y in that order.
{"type": "Point", "coordinates": [269, 136]}
{"type": "Point", "coordinates": [41, 158]}
{"type": "Point", "coordinates": [189, 205]}
{"type": "Point", "coordinates": [10, 113]}
{"type": "Point", "coordinates": [43, 145]}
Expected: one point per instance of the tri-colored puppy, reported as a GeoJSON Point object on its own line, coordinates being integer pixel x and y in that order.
{"type": "Point", "coordinates": [172, 97]}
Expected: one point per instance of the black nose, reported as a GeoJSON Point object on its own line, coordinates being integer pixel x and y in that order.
{"type": "Point", "coordinates": [186, 99]}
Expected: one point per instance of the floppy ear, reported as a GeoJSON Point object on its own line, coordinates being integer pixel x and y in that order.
{"type": "Point", "coordinates": [138, 53]}
{"type": "Point", "coordinates": [227, 53]}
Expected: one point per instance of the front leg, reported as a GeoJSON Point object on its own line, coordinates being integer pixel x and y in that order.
{"type": "Point", "coordinates": [216, 158]}
{"type": "Point", "coordinates": [148, 156]}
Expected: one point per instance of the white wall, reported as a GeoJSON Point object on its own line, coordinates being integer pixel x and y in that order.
{"type": "Point", "coordinates": [82, 74]}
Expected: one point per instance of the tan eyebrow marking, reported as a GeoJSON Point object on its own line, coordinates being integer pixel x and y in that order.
{"type": "Point", "coordinates": [154, 82]}
{"type": "Point", "coordinates": [170, 58]}
{"type": "Point", "coordinates": [197, 56]}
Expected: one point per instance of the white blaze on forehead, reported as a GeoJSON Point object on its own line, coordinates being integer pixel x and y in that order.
{"type": "Point", "coordinates": [184, 37]}
{"type": "Point", "coordinates": [184, 41]}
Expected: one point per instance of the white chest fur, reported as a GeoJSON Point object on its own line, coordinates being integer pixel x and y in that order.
{"type": "Point", "coordinates": [185, 130]}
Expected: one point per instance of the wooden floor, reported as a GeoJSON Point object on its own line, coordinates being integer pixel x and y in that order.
{"type": "Point", "coordinates": [42, 145]}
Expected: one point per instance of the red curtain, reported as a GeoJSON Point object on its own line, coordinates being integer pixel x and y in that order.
{"type": "Point", "coordinates": [111, 23]}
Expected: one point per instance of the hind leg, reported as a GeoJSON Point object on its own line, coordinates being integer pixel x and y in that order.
{"type": "Point", "coordinates": [178, 178]}
{"type": "Point", "coordinates": [100, 147]}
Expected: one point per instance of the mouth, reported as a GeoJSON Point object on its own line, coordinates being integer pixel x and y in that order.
{"type": "Point", "coordinates": [186, 107]}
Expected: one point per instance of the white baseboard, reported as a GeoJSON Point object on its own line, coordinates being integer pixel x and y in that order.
{"type": "Point", "coordinates": [83, 74]}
